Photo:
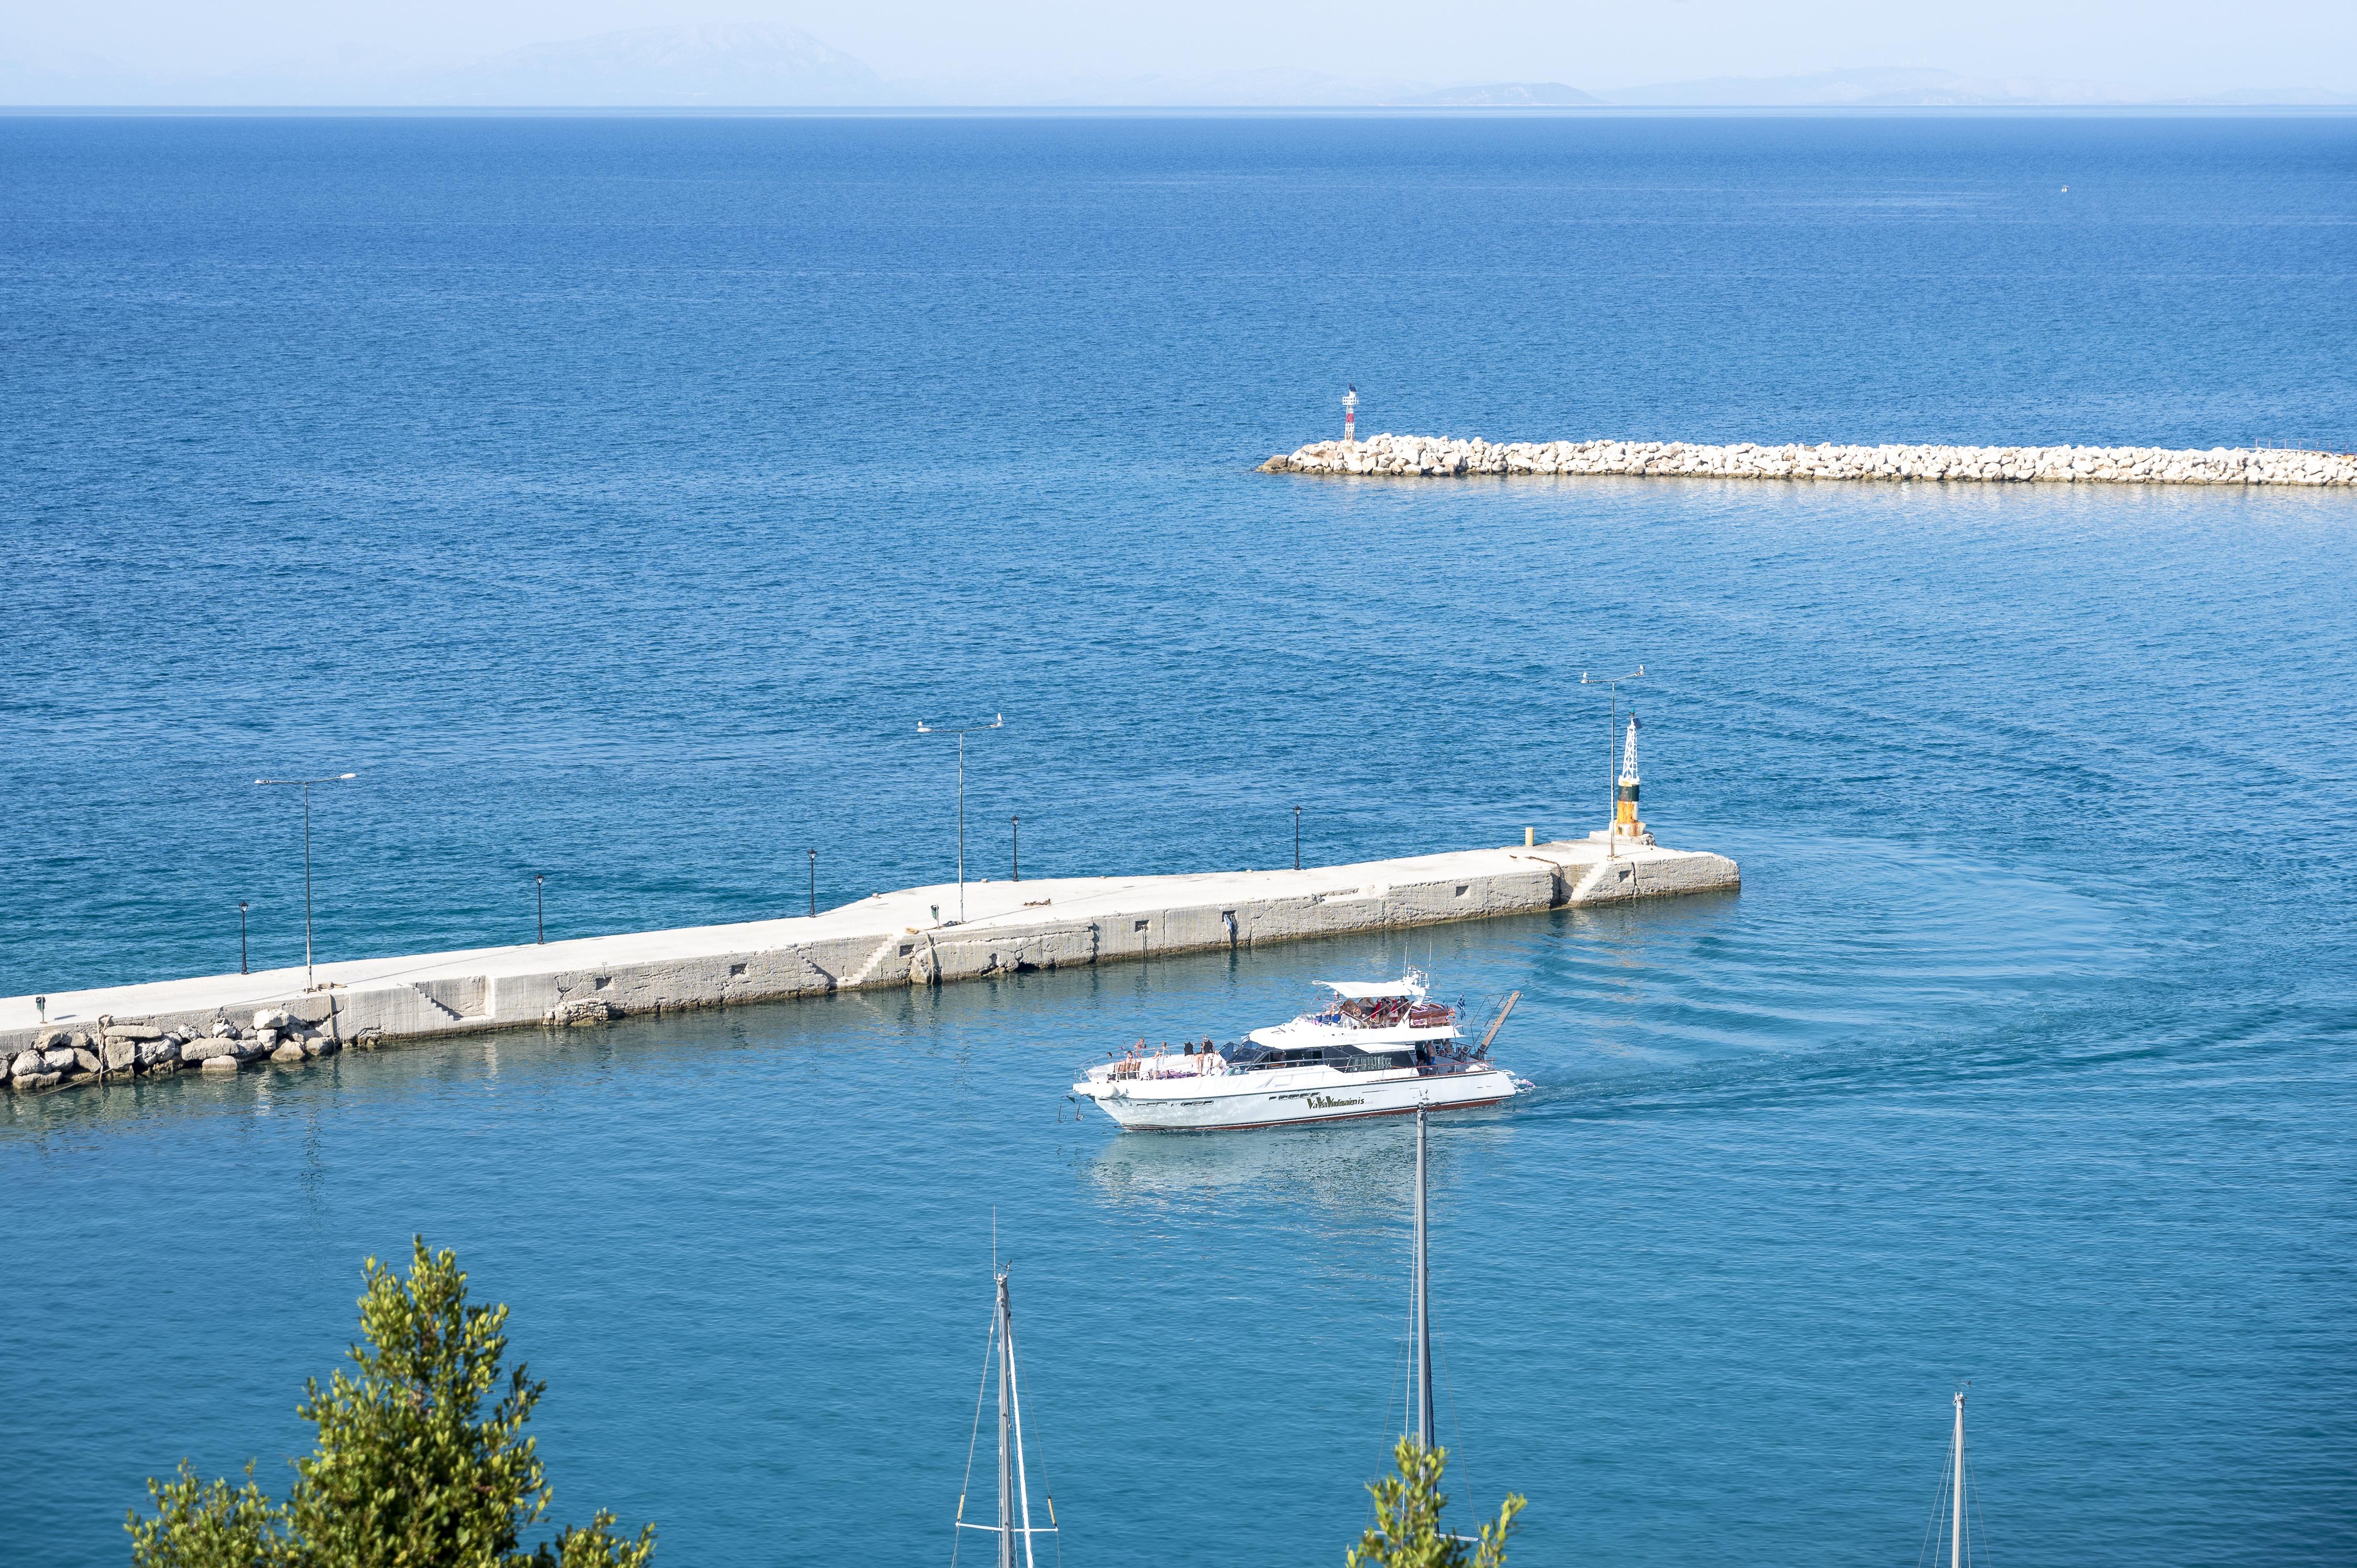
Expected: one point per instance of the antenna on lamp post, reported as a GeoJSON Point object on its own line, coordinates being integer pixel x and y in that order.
{"type": "Point", "coordinates": [305, 786]}
{"type": "Point", "coordinates": [960, 731]}
{"type": "Point", "coordinates": [1611, 747]}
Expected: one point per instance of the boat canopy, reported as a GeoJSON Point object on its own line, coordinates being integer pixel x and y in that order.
{"type": "Point", "coordinates": [1373, 991]}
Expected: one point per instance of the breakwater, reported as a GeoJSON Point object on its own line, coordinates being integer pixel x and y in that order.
{"type": "Point", "coordinates": [222, 1023]}
{"type": "Point", "coordinates": [1428, 457]}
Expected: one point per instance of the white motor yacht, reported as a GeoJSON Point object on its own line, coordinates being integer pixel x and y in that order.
{"type": "Point", "coordinates": [1372, 1049]}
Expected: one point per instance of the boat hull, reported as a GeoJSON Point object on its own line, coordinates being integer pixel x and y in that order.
{"type": "Point", "coordinates": [1290, 1099]}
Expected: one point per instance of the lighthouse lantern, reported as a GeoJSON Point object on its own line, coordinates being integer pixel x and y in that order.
{"type": "Point", "coordinates": [1625, 821]}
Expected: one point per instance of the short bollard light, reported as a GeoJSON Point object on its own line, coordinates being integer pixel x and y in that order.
{"type": "Point", "coordinates": [42, 1005]}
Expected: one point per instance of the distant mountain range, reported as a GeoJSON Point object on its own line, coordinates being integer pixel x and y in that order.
{"type": "Point", "coordinates": [764, 67]}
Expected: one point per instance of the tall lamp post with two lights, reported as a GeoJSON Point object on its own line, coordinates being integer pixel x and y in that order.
{"type": "Point", "coordinates": [960, 731]}
{"type": "Point", "coordinates": [305, 786]}
{"type": "Point", "coordinates": [1611, 747]}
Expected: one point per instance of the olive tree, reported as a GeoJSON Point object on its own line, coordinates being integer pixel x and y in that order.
{"type": "Point", "coordinates": [1407, 1533]}
{"type": "Point", "coordinates": [422, 1458]}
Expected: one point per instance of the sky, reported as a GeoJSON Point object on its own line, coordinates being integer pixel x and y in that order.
{"type": "Point", "coordinates": [2156, 48]}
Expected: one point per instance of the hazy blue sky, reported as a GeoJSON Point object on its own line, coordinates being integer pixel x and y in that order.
{"type": "Point", "coordinates": [2159, 47]}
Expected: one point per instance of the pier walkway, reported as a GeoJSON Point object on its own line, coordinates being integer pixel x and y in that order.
{"type": "Point", "coordinates": [909, 938]}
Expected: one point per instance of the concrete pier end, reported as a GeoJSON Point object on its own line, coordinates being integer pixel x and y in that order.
{"type": "Point", "coordinates": [886, 939]}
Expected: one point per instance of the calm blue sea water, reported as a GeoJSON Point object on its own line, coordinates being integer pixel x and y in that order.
{"type": "Point", "coordinates": [615, 496]}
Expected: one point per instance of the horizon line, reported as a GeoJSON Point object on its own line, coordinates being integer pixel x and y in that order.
{"type": "Point", "coordinates": [2157, 106]}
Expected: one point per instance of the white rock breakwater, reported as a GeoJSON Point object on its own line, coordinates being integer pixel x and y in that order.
{"type": "Point", "coordinates": [106, 1048]}
{"type": "Point", "coordinates": [1428, 457]}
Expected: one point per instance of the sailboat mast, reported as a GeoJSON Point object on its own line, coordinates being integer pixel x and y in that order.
{"type": "Point", "coordinates": [1015, 1391]}
{"type": "Point", "coordinates": [1005, 1485]}
{"type": "Point", "coordinates": [1956, 1511]}
{"type": "Point", "coordinates": [1422, 1309]}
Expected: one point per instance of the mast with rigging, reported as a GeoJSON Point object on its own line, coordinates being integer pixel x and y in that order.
{"type": "Point", "coordinates": [1421, 1307]}
{"type": "Point", "coordinates": [1956, 1521]}
{"type": "Point", "coordinates": [1014, 1476]}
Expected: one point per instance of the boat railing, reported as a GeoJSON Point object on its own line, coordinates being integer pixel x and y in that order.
{"type": "Point", "coordinates": [1130, 1068]}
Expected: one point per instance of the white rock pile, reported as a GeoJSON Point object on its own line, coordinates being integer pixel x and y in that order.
{"type": "Point", "coordinates": [1428, 457]}
{"type": "Point", "coordinates": [109, 1049]}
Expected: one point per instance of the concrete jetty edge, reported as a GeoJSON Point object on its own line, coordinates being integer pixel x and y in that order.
{"type": "Point", "coordinates": [1431, 456]}
{"type": "Point", "coordinates": [907, 937]}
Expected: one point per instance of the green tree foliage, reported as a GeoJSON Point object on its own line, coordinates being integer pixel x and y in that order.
{"type": "Point", "coordinates": [1407, 1531]}
{"type": "Point", "coordinates": [201, 1524]}
{"type": "Point", "coordinates": [411, 1469]}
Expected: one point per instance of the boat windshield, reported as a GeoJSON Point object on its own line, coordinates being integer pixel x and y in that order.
{"type": "Point", "coordinates": [1250, 1056]}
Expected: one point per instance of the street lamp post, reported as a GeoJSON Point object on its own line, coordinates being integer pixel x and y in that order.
{"type": "Point", "coordinates": [241, 968]}
{"type": "Point", "coordinates": [306, 783]}
{"type": "Point", "coordinates": [1611, 747]}
{"type": "Point", "coordinates": [960, 731]}
{"type": "Point", "coordinates": [1016, 824]}
{"type": "Point", "coordinates": [1297, 838]}
{"type": "Point", "coordinates": [813, 871]}
{"type": "Point", "coordinates": [540, 907]}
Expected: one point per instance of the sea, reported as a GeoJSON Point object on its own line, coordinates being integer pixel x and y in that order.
{"type": "Point", "coordinates": [614, 497]}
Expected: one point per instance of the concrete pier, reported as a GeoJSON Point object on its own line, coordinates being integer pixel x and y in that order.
{"type": "Point", "coordinates": [909, 938]}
